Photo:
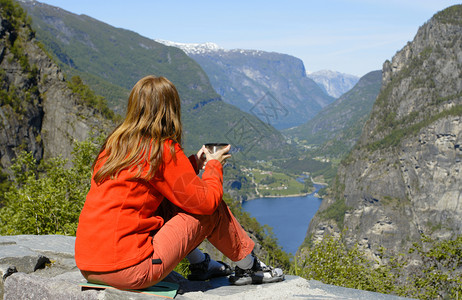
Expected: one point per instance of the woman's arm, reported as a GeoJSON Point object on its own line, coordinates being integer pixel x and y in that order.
{"type": "Point", "coordinates": [178, 182]}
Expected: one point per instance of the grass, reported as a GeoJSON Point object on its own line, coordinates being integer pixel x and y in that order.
{"type": "Point", "coordinates": [278, 184]}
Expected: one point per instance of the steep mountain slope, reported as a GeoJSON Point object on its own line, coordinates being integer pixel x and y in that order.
{"type": "Point", "coordinates": [113, 56]}
{"type": "Point", "coordinates": [111, 60]}
{"type": "Point", "coordinates": [334, 83]}
{"type": "Point", "coordinates": [272, 86]}
{"type": "Point", "coordinates": [38, 110]}
{"type": "Point", "coordinates": [403, 177]}
{"type": "Point", "coordinates": [335, 129]}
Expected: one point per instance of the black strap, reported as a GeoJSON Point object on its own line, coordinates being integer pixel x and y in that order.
{"type": "Point", "coordinates": [157, 261]}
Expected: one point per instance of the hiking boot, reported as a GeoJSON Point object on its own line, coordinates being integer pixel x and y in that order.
{"type": "Point", "coordinates": [259, 273]}
{"type": "Point", "coordinates": [201, 271]}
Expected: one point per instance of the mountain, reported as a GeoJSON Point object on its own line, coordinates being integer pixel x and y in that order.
{"type": "Point", "coordinates": [335, 129]}
{"type": "Point", "coordinates": [272, 86]}
{"type": "Point", "coordinates": [39, 112]}
{"type": "Point", "coordinates": [334, 83]}
{"type": "Point", "coordinates": [111, 60]}
{"type": "Point", "coordinates": [403, 179]}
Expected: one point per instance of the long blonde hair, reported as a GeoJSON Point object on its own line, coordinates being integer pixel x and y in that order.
{"type": "Point", "coordinates": [153, 116]}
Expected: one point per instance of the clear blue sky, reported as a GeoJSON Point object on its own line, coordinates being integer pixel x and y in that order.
{"type": "Point", "coordinates": [349, 36]}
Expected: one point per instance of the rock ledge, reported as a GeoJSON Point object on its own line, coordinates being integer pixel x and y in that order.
{"type": "Point", "coordinates": [46, 270]}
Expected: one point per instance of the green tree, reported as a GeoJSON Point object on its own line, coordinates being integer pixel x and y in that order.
{"type": "Point", "coordinates": [46, 198]}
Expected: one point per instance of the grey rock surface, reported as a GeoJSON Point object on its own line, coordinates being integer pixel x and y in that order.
{"type": "Point", "coordinates": [50, 117]}
{"type": "Point", "coordinates": [334, 83]}
{"type": "Point", "coordinates": [59, 278]}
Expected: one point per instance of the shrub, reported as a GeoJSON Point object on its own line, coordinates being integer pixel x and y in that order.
{"type": "Point", "coordinates": [331, 262]}
{"type": "Point", "coordinates": [47, 198]}
{"type": "Point", "coordinates": [438, 274]}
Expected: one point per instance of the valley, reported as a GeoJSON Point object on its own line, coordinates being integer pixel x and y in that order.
{"type": "Point", "coordinates": [389, 147]}
{"type": "Point", "coordinates": [207, 115]}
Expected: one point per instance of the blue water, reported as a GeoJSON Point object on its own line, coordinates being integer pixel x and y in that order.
{"type": "Point", "coordinates": [288, 216]}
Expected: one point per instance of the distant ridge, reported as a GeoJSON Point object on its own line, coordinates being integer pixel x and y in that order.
{"type": "Point", "coordinates": [255, 79]}
{"type": "Point", "coordinates": [335, 129]}
{"type": "Point", "coordinates": [208, 47]}
{"type": "Point", "coordinates": [334, 83]}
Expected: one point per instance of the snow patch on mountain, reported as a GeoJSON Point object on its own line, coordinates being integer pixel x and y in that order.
{"type": "Point", "coordinates": [193, 48]}
{"type": "Point", "coordinates": [203, 48]}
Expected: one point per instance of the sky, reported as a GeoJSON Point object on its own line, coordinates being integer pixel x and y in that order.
{"type": "Point", "coordinates": [348, 36]}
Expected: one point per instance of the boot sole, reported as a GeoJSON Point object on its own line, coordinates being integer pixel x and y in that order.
{"type": "Point", "coordinates": [255, 280]}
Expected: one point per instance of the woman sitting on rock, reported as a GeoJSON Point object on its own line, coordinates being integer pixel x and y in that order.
{"type": "Point", "coordinates": [147, 209]}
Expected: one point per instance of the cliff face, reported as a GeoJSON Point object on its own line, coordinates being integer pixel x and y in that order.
{"type": "Point", "coordinates": [38, 112]}
{"type": "Point", "coordinates": [403, 177]}
{"type": "Point", "coordinates": [21, 119]}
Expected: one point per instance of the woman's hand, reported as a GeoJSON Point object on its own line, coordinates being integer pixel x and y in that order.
{"type": "Point", "coordinates": [201, 159]}
{"type": "Point", "coordinates": [204, 155]}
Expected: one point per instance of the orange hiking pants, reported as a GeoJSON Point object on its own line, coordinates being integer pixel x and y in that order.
{"type": "Point", "coordinates": [181, 233]}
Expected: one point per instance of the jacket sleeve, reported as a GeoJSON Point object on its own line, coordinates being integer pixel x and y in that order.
{"type": "Point", "coordinates": [178, 182]}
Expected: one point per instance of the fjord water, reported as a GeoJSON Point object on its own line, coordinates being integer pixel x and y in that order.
{"type": "Point", "coordinates": [288, 216]}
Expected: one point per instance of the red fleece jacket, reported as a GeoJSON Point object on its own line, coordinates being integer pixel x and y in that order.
{"type": "Point", "coordinates": [117, 219]}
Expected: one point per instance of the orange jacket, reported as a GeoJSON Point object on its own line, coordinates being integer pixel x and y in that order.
{"type": "Point", "coordinates": [117, 219]}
